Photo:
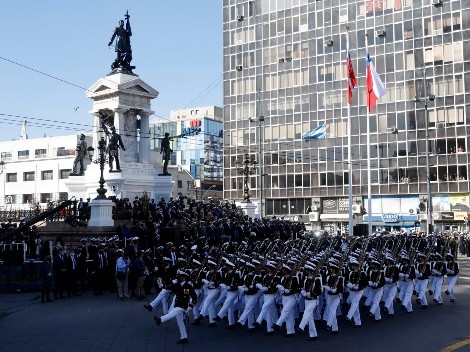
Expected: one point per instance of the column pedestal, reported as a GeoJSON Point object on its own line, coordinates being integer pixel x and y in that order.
{"type": "Point", "coordinates": [248, 208]}
{"type": "Point", "coordinates": [101, 213]}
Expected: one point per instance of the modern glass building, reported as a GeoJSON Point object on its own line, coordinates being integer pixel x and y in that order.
{"type": "Point", "coordinates": [198, 143]}
{"type": "Point", "coordinates": [285, 60]}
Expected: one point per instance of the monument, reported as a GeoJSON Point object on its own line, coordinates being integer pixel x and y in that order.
{"type": "Point", "coordinates": [121, 111]}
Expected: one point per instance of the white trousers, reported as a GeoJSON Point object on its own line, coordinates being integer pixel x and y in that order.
{"type": "Point", "coordinates": [287, 313]}
{"type": "Point", "coordinates": [197, 307]}
{"type": "Point", "coordinates": [354, 312]}
{"type": "Point", "coordinates": [436, 288]}
{"type": "Point", "coordinates": [208, 306]}
{"type": "Point", "coordinates": [332, 302]}
{"type": "Point", "coordinates": [229, 307]}
{"type": "Point", "coordinates": [376, 296]}
{"type": "Point", "coordinates": [451, 281]}
{"type": "Point", "coordinates": [178, 313]}
{"type": "Point", "coordinates": [420, 288]}
{"type": "Point", "coordinates": [307, 318]}
{"type": "Point", "coordinates": [248, 312]}
{"type": "Point", "coordinates": [162, 298]}
{"type": "Point", "coordinates": [406, 291]}
{"type": "Point", "coordinates": [390, 291]}
{"type": "Point", "coordinates": [268, 311]}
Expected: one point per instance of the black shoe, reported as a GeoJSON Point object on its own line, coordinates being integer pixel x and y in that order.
{"type": "Point", "coordinates": [231, 327]}
{"type": "Point", "coordinates": [357, 326]}
{"type": "Point", "coordinates": [158, 321]}
{"type": "Point", "coordinates": [447, 292]}
{"type": "Point", "coordinates": [346, 318]}
{"type": "Point", "coordinates": [276, 327]}
{"type": "Point", "coordinates": [269, 333]}
{"type": "Point", "coordinates": [418, 301]}
{"type": "Point", "coordinates": [377, 320]}
{"type": "Point", "coordinates": [328, 328]}
{"type": "Point", "coordinates": [435, 300]}
{"type": "Point", "coordinates": [385, 309]}
{"type": "Point", "coordinates": [256, 325]}
{"type": "Point", "coordinates": [424, 307]}
{"type": "Point", "coordinates": [452, 300]}
{"type": "Point", "coordinates": [290, 335]}
{"type": "Point", "coordinates": [370, 314]}
{"type": "Point", "coordinates": [251, 329]}
{"type": "Point", "coordinates": [312, 338]}
{"type": "Point", "coordinates": [212, 325]}
{"type": "Point", "coordinates": [299, 330]}
{"type": "Point", "coordinates": [182, 341]}
{"type": "Point", "coordinates": [439, 303]}
{"type": "Point", "coordinates": [196, 322]}
{"type": "Point", "coordinates": [430, 292]}
{"type": "Point", "coordinates": [217, 319]}
{"type": "Point", "coordinates": [238, 324]}
{"type": "Point", "coordinates": [148, 307]}
{"type": "Point", "coordinates": [391, 316]}
{"type": "Point", "coordinates": [334, 333]}
{"type": "Point", "coordinates": [398, 300]}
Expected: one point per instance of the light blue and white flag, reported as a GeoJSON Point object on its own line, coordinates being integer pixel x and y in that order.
{"type": "Point", "coordinates": [316, 133]}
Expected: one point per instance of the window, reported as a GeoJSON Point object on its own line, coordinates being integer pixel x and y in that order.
{"type": "Point", "coordinates": [180, 184]}
{"type": "Point", "coordinates": [47, 175]}
{"type": "Point", "coordinates": [40, 153]}
{"type": "Point", "coordinates": [23, 154]}
{"type": "Point", "coordinates": [11, 177]}
{"type": "Point", "coordinates": [5, 156]}
{"type": "Point", "coordinates": [28, 176]}
{"type": "Point", "coordinates": [10, 199]}
{"type": "Point", "coordinates": [27, 198]}
{"type": "Point", "coordinates": [45, 197]}
{"type": "Point", "coordinates": [64, 173]}
{"type": "Point", "coordinates": [63, 196]}
{"type": "Point", "coordinates": [190, 185]}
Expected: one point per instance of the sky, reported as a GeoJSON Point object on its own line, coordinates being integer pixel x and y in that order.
{"type": "Point", "coordinates": [176, 48]}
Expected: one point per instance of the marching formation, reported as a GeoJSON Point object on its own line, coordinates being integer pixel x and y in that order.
{"type": "Point", "coordinates": [304, 282]}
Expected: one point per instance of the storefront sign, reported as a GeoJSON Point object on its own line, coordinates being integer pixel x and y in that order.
{"type": "Point", "coordinates": [390, 218]}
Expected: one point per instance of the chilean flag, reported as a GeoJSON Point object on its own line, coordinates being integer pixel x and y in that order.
{"type": "Point", "coordinates": [375, 87]}
{"type": "Point", "coordinates": [351, 77]}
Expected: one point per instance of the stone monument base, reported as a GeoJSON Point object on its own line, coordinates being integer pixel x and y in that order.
{"type": "Point", "coordinates": [249, 209]}
{"type": "Point", "coordinates": [101, 213]}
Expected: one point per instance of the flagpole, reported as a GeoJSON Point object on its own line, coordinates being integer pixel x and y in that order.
{"type": "Point", "coordinates": [369, 186]}
{"type": "Point", "coordinates": [350, 178]}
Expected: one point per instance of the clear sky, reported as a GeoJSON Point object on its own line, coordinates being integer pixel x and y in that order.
{"type": "Point", "coordinates": [176, 47]}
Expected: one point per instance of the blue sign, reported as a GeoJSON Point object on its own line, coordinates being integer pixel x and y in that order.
{"type": "Point", "coordinates": [390, 218]}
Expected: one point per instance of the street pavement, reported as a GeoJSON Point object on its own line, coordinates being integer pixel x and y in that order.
{"type": "Point", "coordinates": [103, 323]}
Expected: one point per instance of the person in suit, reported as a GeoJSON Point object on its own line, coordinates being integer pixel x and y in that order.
{"type": "Point", "coordinates": [45, 275]}
{"type": "Point", "coordinates": [72, 274]}
{"type": "Point", "coordinates": [99, 273]}
{"type": "Point", "coordinates": [59, 268]}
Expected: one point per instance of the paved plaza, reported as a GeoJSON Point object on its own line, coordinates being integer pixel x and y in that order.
{"type": "Point", "coordinates": [103, 323]}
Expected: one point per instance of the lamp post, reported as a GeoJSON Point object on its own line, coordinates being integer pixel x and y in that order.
{"type": "Point", "coordinates": [260, 119]}
{"type": "Point", "coordinates": [246, 171]}
{"type": "Point", "coordinates": [427, 97]}
{"type": "Point", "coordinates": [101, 160]}
{"type": "Point", "coordinates": [205, 193]}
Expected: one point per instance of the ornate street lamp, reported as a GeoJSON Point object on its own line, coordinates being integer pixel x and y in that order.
{"type": "Point", "coordinates": [246, 171]}
{"type": "Point", "coordinates": [101, 160]}
{"type": "Point", "coordinates": [2, 167]}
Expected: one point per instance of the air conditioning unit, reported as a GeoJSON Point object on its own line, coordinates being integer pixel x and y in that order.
{"type": "Point", "coordinates": [239, 67]}
{"type": "Point", "coordinates": [315, 208]}
{"type": "Point", "coordinates": [328, 42]}
{"type": "Point", "coordinates": [440, 125]}
{"type": "Point", "coordinates": [281, 60]}
{"type": "Point", "coordinates": [240, 17]}
{"type": "Point", "coordinates": [437, 3]}
{"type": "Point", "coordinates": [288, 58]}
{"type": "Point", "coordinates": [314, 216]}
{"type": "Point", "coordinates": [412, 211]}
{"type": "Point", "coordinates": [422, 217]}
{"type": "Point", "coordinates": [380, 33]}
{"type": "Point", "coordinates": [356, 209]}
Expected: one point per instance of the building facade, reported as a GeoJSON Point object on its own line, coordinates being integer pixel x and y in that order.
{"type": "Point", "coordinates": [35, 170]}
{"type": "Point", "coordinates": [285, 60]}
{"type": "Point", "coordinates": [197, 143]}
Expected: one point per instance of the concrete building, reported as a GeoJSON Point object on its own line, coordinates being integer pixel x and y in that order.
{"type": "Point", "coordinates": [284, 60]}
{"type": "Point", "coordinates": [197, 145]}
{"type": "Point", "coordinates": [35, 170]}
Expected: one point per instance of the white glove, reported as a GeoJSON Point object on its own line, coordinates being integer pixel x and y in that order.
{"type": "Point", "coordinates": [303, 292]}
{"type": "Point", "coordinates": [286, 291]}
{"type": "Point", "coordinates": [401, 275]}
{"type": "Point", "coordinates": [189, 309]}
{"type": "Point", "coordinates": [160, 285]}
{"type": "Point", "coordinates": [371, 283]}
{"type": "Point", "coordinates": [450, 271]}
{"type": "Point", "coordinates": [223, 286]}
{"type": "Point", "coordinates": [259, 286]}
{"type": "Point", "coordinates": [420, 275]}
{"type": "Point", "coordinates": [280, 287]}
{"type": "Point", "coordinates": [307, 295]}
{"type": "Point", "coordinates": [263, 289]}
{"type": "Point", "coordinates": [406, 276]}
{"type": "Point", "coordinates": [350, 285]}
{"type": "Point", "coordinates": [355, 287]}
{"type": "Point", "coordinates": [211, 283]}
{"type": "Point", "coordinates": [205, 281]}
{"type": "Point", "coordinates": [333, 291]}
{"type": "Point", "coordinates": [435, 272]}
{"type": "Point", "coordinates": [326, 288]}
{"type": "Point", "coordinates": [388, 280]}
{"type": "Point", "coordinates": [174, 281]}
